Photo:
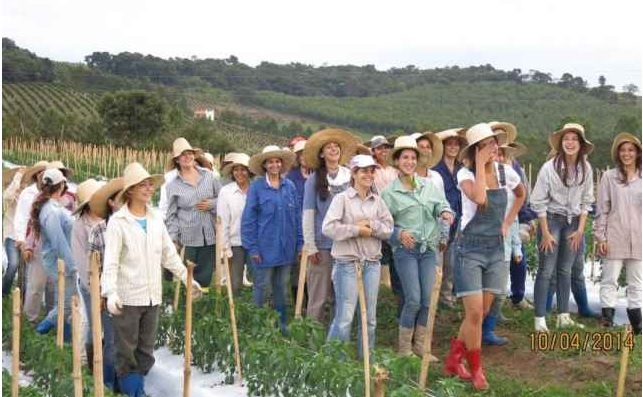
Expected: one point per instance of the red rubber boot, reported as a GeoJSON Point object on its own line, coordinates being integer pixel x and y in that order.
{"type": "Point", "coordinates": [475, 364]}
{"type": "Point", "coordinates": [453, 362]}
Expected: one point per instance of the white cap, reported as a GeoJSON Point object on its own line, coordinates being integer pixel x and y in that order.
{"type": "Point", "coordinates": [361, 161]}
{"type": "Point", "coordinates": [52, 176]}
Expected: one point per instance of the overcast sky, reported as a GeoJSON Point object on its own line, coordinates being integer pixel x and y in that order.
{"type": "Point", "coordinates": [584, 38]}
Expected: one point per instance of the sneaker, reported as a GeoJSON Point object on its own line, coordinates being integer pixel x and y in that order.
{"type": "Point", "coordinates": [540, 325]}
{"type": "Point", "coordinates": [564, 320]}
{"type": "Point", "coordinates": [523, 305]}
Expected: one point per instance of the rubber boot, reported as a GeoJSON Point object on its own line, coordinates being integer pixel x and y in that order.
{"type": "Point", "coordinates": [132, 385]}
{"type": "Point", "coordinates": [283, 326]}
{"type": "Point", "coordinates": [67, 333]}
{"type": "Point", "coordinates": [580, 296]}
{"type": "Point", "coordinates": [45, 326]}
{"type": "Point", "coordinates": [109, 377]}
{"type": "Point", "coordinates": [405, 335]}
{"type": "Point", "coordinates": [418, 343]}
{"type": "Point", "coordinates": [489, 337]}
{"type": "Point", "coordinates": [607, 317]}
{"type": "Point", "coordinates": [475, 363]}
{"type": "Point", "coordinates": [635, 320]}
{"type": "Point", "coordinates": [453, 362]}
{"type": "Point", "coordinates": [540, 325]}
{"type": "Point", "coordinates": [89, 352]}
{"type": "Point", "coordinates": [550, 299]}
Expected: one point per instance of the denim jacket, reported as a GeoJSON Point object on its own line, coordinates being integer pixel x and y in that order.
{"type": "Point", "coordinates": [55, 234]}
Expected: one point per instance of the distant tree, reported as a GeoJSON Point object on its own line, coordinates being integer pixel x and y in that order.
{"type": "Point", "coordinates": [601, 81]}
{"type": "Point", "coordinates": [631, 89]}
{"type": "Point", "coordinates": [540, 77]}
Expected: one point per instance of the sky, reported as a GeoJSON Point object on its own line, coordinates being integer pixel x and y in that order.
{"type": "Point", "coordinates": [584, 38]}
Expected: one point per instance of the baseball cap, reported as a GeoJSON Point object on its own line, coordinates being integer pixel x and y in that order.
{"type": "Point", "coordinates": [379, 140]}
{"type": "Point", "coordinates": [361, 161]}
{"type": "Point", "coordinates": [53, 176]}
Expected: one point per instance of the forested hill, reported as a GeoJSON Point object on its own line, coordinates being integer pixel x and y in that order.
{"type": "Point", "coordinates": [360, 98]}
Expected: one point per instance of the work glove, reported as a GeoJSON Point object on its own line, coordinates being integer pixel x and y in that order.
{"type": "Point", "coordinates": [197, 291]}
{"type": "Point", "coordinates": [114, 304]}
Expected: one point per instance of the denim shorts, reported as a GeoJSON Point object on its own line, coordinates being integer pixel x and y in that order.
{"type": "Point", "coordinates": [479, 265]}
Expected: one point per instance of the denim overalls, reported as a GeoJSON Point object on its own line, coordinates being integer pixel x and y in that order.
{"type": "Point", "coordinates": [479, 263]}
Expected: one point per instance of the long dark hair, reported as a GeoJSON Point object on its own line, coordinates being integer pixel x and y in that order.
{"type": "Point", "coordinates": [559, 162]}
{"type": "Point", "coordinates": [44, 196]}
{"type": "Point", "coordinates": [321, 181]}
{"type": "Point", "coordinates": [621, 167]}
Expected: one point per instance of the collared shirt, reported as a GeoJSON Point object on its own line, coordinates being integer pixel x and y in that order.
{"type": "Point", "coordinates": [618, 216]}
{"type": "Point", "coordinates": [55, 234]}
{"type": "Point", "coordinates": [383, 177]}
{"type": "Point", "coordinates": [298, 179]}
{"type": "Point", "coordinates": [451, 191]}
{"type": "Point", "coordinates": [416, 211]}
{"type": "Point", "coordinates": [134, 258]}
{"type": "Point", "coordinates": [80, 246]}
{"type": "Point", "coordinates": [97, 239]}
{"type": "Point", "coordinates": [9, 204]}
{"type": "Point", "coordinates": [23, 210]}
{"type": "Point", "coordinates": [551, 195]}
{"type": "Point", "coordinates": [340, 224]}
{"type": "Point", "coordinates": [185, 222]}
{"type": "Point", "coordinates": [168, 177]}
{"type": "Point", "coordinates": [230, 206]}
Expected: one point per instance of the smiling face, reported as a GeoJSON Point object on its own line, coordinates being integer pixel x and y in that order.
{"type": "Point", "coordinates": [240, 174]}
{"type": "Point", "coordinates": [363, 177]}
{"type": "Point", "coordinates": [570, 143]}
{"type": "Point", "coordinates": [424, 147]}
{"type": "Point", "coordinates": [331, 152]}
{"type": "Point", "coordinates": [186, 159]}
{"type": "Point", "coordinates": [380, 153]}
{"type": "Point", "coordinates": [451, 147]}
{"type": "Point", "coordinates": [142, 192]}
{"type": "Point", "coordinates": [272, 166]}
{"type": "Point", "coordinates": [628, 154]}
{"type": "Point", "coordinates": [407, 161]}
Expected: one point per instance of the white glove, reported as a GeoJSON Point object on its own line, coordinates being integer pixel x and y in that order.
{"type": "Point", "coordinates": [114, 304]}
{"type": "Point", "coordinates": [197, 292]}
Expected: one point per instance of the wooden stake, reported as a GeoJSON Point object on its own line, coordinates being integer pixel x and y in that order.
{"type": "Point", "coordinates": [187, 365]}
{"type": "Point", "coordinates": [61, 303]}
{"type": "Point", "coordinates": [97, 326]}
{"type": "Point", "coordinates": [15, 348]}
{"type": "Point", "coordinates": [365, 349]}
{"type": "Point", "coordinates": [233, 318]}
{"type": "Point", "coordinates": [381, 376]}
{"type": "Point", "coordinates": [177, 285]}
{"type": "Point", "coordinates": [76, 346]}
{"type": "Point", "coordinates": [435, 295]}
{"type": "Point", "coordinates": [301, 284]}
{"type": "Point", "coordinates": [625, 353]}
{"type": "Point", "coordinates": [218, 255]}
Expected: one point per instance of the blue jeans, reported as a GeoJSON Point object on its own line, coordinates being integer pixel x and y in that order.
{"type": "Point", "coordinates": [559, 260]}
{"type": "Point", "coordinates": [277, 277]}
{"type": "Point", "coordinates": [13, 257]}
{"type": "Point", "coordinates": [344, 276]}
{"type": "Point", "coordinates": [518, 275]}
{"type": "Point", "coordinates": [417, 272]}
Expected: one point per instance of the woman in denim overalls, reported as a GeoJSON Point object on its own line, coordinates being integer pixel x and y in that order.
{"type": "Point", "coordinates": [479, 269]}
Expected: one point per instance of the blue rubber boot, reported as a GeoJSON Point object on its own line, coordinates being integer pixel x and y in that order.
{"type": "Point", "coordinates": [132, 385]}
{"type": "Point", "coordinates": [67, 333]}
{"type": "Point", "coordinates": [580, 296]}
{"type": "Point", "coordinates": [45, 326]}
{"type": "Point", "coordinates": [489, 337]}
{"type": "Point", "coordinates": [109, 376]}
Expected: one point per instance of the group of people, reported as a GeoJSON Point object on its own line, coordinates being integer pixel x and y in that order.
{"type": "Point", "coordinates": [456, 199]}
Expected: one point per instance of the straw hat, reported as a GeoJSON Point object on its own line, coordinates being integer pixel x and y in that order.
{"type": "Point", "coordinates": [509, 128]}
{"type": "Point", "coordinates": [134, 174]}
{"type": "Point", "coordinates": [179, 146]}
{"type": "Point", "coordinates": [622, 138]}
{"type": "Point", "coordinates": [401, 143]}
{"type": "Point", "coordinates": [237, 159]}
{"type": "Point", "coordinates": [299, 146]}
{"type": "Point", "coordinates": [85, 191]}
{"type": "Point", "coordinates": [59, 164]}
{"type": "Point", "coordinates": [519, 148]}
{"type": "Point", "coordinates": [98, 201]}
{"type": "Point", "coordinates": [205, 157]}
{"type": "Point", "coordinates": [9, 173]}
{"type": "Point", "coordinates": [436, 147]}
{"type": "Point", "coordinates": [34, 170]}
{"type": "Point", "coordinates": [481, 132]}
{"type": "Point", "coordinates": [554, 139]}
{"type": "Point", "coordinates": [271, 151]}
{"type": "Point", "coordinates": [346, 141]}
{"type": "Point", "coordinates": [362, 149]}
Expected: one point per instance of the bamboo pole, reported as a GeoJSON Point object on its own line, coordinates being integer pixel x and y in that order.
{"type": "Point", "coordinates": [177, 285]}
{"type": "Point", "coordinates": [301, 283]}
{"type": "Point", "coordinates": [364, 319]}
{"type": "Point", "coordinates": [76, 346]}
{"type": "Point", "coordinates": [625, 353]}
{"type": "Point", "coordinates": [97, 327]}
{"type": "Point", "coordinates": [435, 295]}
{"type": "Point", "coordinates": [233, 318]}
{"type": "Point", "coordinates": [187, 365]}
{"type": "Point", "coordinates": [15, 348]}
{"type": "Point", "coordinates": [218, 255]}
{"type": "Point", "coordinates": [61, 304]}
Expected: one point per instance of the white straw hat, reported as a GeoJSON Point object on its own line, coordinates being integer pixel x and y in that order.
{"type": "Point", "coordinates": [179, 146]}
{"type": "Point", "coordinates": [554, 139]}
{"type": "Point", "coordinates": [98, 202]}
{"type": "Point", "coordinates": [236, 159]}
{"type": "Point", "coordinates": [134, 174]}
{"type": "Point", "coordinates": [85, 191]}
{"type": "Point", "coordinates": [436, 147]}
{"type": "Point", "coordinates": [271, 151]}
{"type": "Point", "coordinates": [481, 132]}
{"type": "Point", "coordinates": [401, 143]}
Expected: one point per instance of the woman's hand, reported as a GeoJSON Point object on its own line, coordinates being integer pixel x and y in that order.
{"type": "Point", "coordinates": [407, 240]}
{"type": "Point", "coordinates": [365, 228]}
{"type": "Point", "coordinates": [203, 205]}
{"type": "Point", "coordinates": [547, 243]}
{"type": "Point", "coordinates": [447, 216]}
{"type": "Point", "coordinates": [575, 240]}
{"type": "Point", "coordinates": [256, 259]}
{"type": "Point", "coordinates": [315, 259]}
{"type": "Point", "coordinates": [602, 248]}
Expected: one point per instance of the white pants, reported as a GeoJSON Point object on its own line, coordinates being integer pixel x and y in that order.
{"type": "Point", "coordinates": [609, 282]}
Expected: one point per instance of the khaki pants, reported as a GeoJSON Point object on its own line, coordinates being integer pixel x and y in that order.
{"type": "Point", "coordinates": [319, 286]}
{"type": "Point", "coordinates": [446, 289]}
{"type": "Point", "coordinates": [39, 286]}
{"type": "Point", "coordinates": [134, 335]}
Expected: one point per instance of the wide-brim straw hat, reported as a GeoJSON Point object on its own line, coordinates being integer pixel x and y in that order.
{"type": "Point", "coordinates": [59, 164]}
{"type": "Point", "coordinates": [237, 159]}
{"type": "Point", "coordinates": [179, 146]}
{"type": "Point", "coordinates": [271, 151]}
{"type": "Point", "coordinates": [519, 148]}
{"type": "Point", "coordinates": [98, 202]}
{"type": "Point", "coordinates": [555, 138]}
{"type": "Point", "coordinates": [436, 147]}
{"type": "Point", "coordinates": [481, 132]}
{"type": "Point", "coordinates": [401, 143]}
{"type": "Point", "coordinates": [622, 138]}
{"type": "Point", "coordinates": [32, 171]}
{"type": "Point", "coordinates": [346, 141]}
{"type": "Point", "coordinates": [9, 173]}
{"type": "Point", "coordinates": [362, 149]}
{"type": "Point", "coordinates": [85, 191]}
{"type": "Point", "coordinates": [299, 146]}
{"type": "Point", "coordinates": [205, 157]}
{"type": "Point", "coordinates": [457, 133]}
{"type": "Point", "coordinates": [509, 128]}
{"type": "Point", "coordinates": [134, 174]}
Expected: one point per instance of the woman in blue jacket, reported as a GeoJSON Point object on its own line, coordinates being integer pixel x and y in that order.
{"type": "Point", "coordinates": [271, 226]}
